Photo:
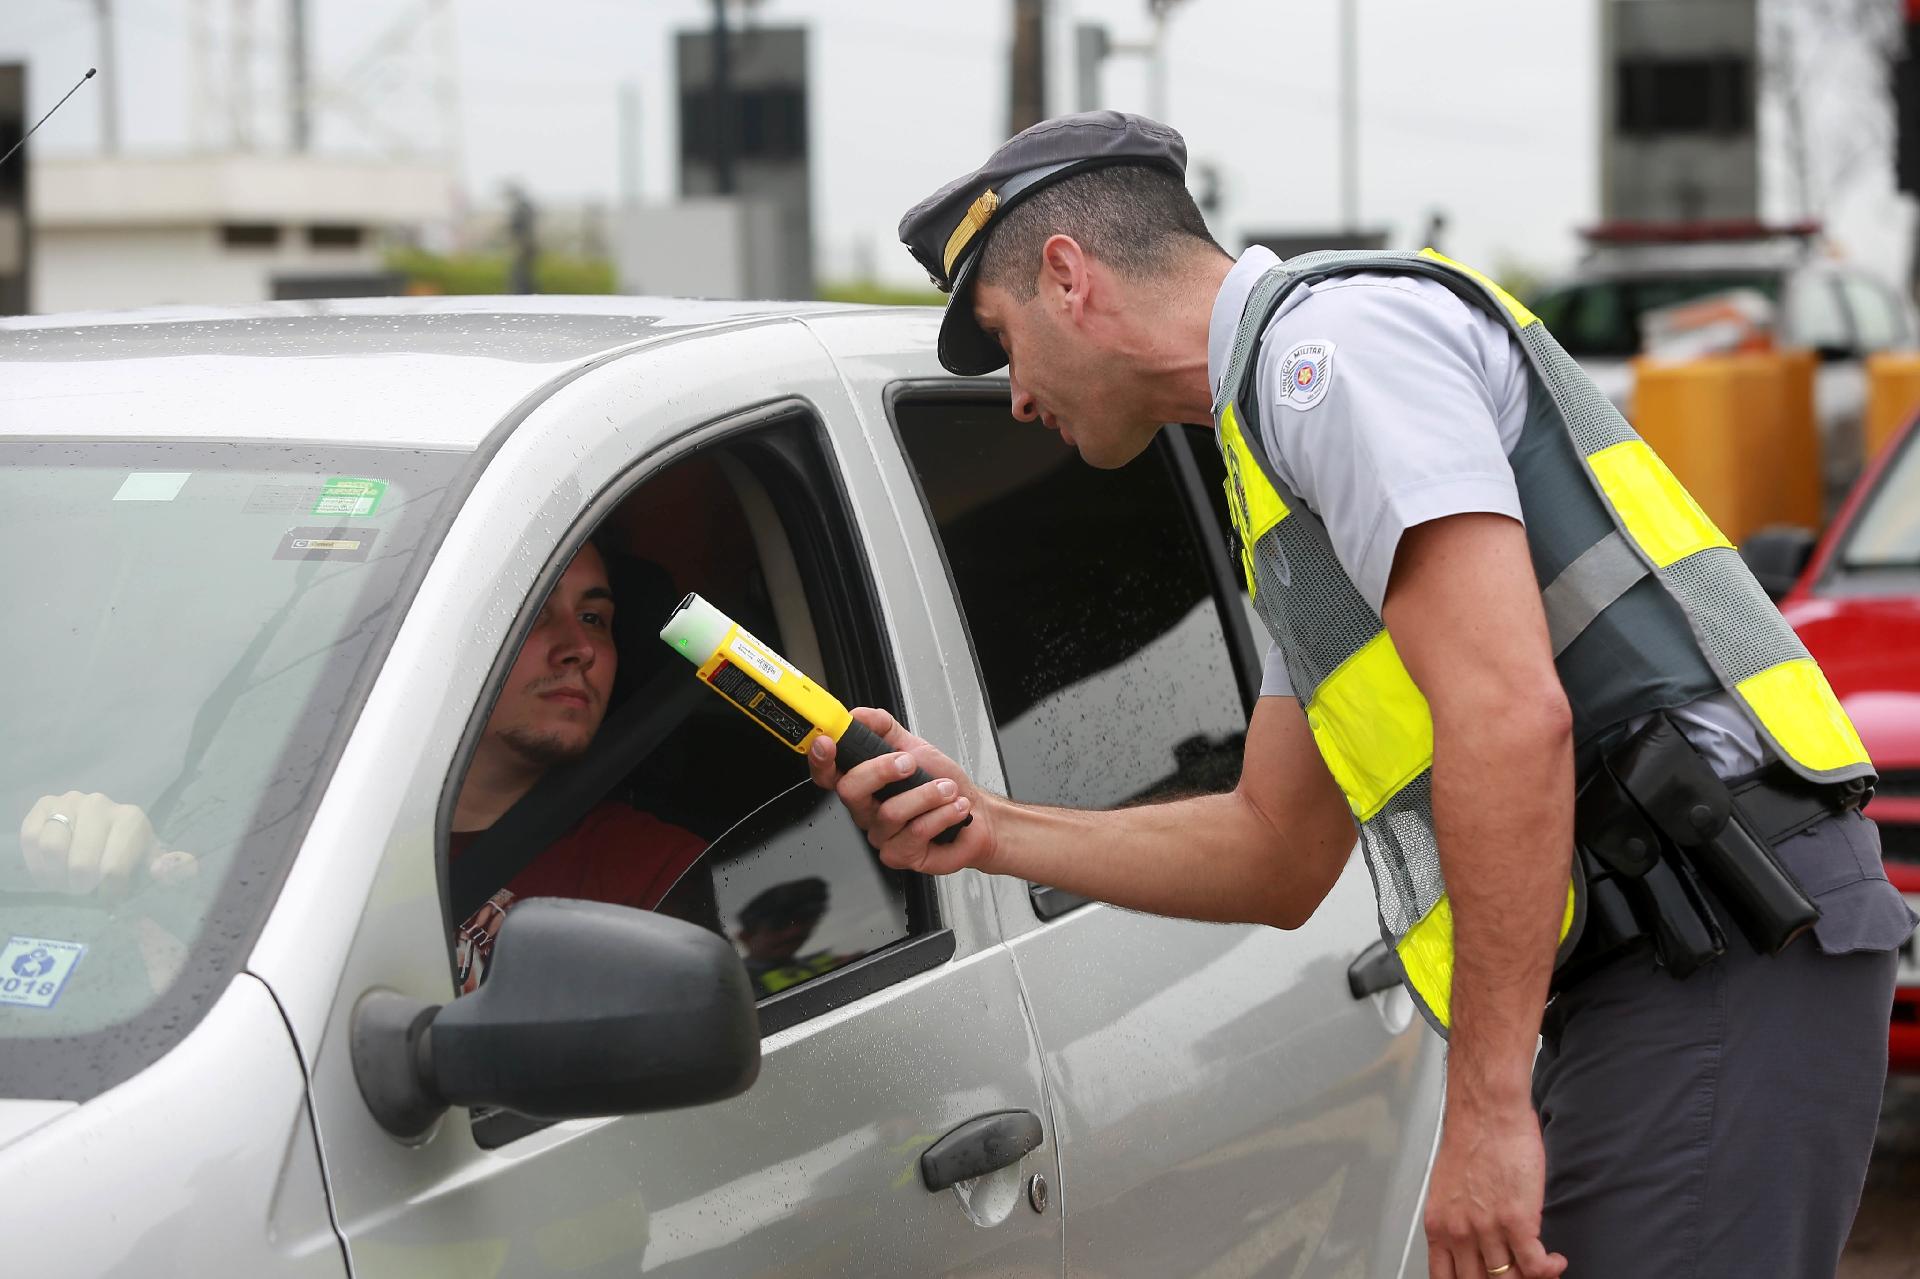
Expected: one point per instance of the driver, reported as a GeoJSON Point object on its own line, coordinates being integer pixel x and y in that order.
{"type": "Point", "coordinates": [549, 710]}
{"type": "Point", "coordinates": [548, 714]}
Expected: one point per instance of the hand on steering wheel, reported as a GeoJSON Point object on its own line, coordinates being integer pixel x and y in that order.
{"type": "Point", "coordinates": [82, 844]}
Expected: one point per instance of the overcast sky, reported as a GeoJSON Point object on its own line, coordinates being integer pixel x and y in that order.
{"type": "Point", "coordinates": [1486, 109]}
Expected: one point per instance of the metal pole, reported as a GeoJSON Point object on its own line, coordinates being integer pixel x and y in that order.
{"type": "Point", "coordinates": [722, 102]}
{"type": "Point", "coordinates": [629, 145]}
{"type": "Point", "coordinates": [299, 122]}
{"type": "Point", "coordinates": [522, 233]}
{"type": "Point", "coordinates": [109, 78]}
{"type": "Point", "coordinates": [1157, 63]}
{"type": "Point", "coordinates": [1090, 49]}
{"type": "Point", "coordinates": [1027, 68]}
{"type": "Point", "coordinates": [240, 56]}
{"type": "Point", "coordinates": [1349, 118]}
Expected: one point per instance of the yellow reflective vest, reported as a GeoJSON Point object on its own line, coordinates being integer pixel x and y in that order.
{"type": "Point", "coordinates": [1648, 605]}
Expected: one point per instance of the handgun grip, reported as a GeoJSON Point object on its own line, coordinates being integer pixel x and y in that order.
{"type": "Point", "coordinates": [858, 744]}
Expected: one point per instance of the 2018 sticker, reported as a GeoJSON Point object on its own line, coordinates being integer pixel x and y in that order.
{"type": "Point", "coordinates": [344, 495]}
{"type": "Point", "coordinates": [34, 970]}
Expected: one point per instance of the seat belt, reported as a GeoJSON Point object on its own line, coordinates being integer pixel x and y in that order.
{"type": "Point", "coordinates": [566, 794]}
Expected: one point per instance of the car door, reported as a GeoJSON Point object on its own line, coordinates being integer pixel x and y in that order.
{"type": "Point", "coordinates": [1224, 1101]}
{"type": "Point", "coordinates": [910, 1029]}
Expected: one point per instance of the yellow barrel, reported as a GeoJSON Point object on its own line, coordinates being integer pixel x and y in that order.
{"type": "Point", "coordinates": [1893, 396]}
{"type": "Point", "coordinates": [1738, 431]}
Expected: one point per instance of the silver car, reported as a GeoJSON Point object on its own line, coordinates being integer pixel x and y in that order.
{"type": "Point", "coordinates": [266, 571]}
{"type": "Point", "coordinates": [1824, 304]}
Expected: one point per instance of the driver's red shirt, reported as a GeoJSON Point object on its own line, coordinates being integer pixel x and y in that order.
{"type": "Point", "coordinates": [616, 853]}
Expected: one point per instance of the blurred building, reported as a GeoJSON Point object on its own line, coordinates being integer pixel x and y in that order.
{"type": "Point", "coordinates": [1679, 86]}
{"type": "Point", "coordinates": [743, 227]}
{"type": "Point", "coordinates": [120, 231]}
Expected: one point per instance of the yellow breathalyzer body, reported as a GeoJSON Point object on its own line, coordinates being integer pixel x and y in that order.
{"type": "Point", "coordinates": [775, 695]}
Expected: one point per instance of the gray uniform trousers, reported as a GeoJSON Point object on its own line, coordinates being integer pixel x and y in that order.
{"type": "Point", "coordinates": [1721, 1126]}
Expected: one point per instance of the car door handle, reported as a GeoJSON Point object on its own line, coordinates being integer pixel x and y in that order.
{"type": "Point", "coordinates": [1376, 968]}
{"type": "Point", "coordinates": [979, 1146]}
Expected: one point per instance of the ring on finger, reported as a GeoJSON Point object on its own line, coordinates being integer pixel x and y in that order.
{"type": "Point", "coordinates": [1501, 1270]}
{"type": "Point", "coordinates": [62, 818]}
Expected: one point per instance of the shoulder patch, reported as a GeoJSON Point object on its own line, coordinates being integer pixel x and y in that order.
{"type": "Point", "coordinates": [1306, 372]}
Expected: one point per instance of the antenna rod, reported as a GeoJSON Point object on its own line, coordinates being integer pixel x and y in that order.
{"type": "Point", "coordinates": [43, 119]}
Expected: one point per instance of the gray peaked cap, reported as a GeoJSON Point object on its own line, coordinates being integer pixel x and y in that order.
{"type": "Point", "coordinates": [947, 231]}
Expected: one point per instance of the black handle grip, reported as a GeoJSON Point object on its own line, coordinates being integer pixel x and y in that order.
{"type": "Point", "coordinates": [859, 744]}
{"type": "Point", "coordinates": [984, 1144]}
{"type": "Point", "coordinates": [1375, 969]}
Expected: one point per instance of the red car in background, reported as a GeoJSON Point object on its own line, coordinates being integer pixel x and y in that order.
{"type": "Point", "coordinates": [1856, 605]}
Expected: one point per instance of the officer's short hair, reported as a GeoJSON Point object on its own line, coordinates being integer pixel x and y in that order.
{"type": "Point", "coordinates": [1133, 217]}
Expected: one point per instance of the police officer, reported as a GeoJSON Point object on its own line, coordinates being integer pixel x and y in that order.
{"type": "Point", "coordinates": [1585, 755]}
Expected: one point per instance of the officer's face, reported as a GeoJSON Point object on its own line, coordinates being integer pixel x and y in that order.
{"type": "Point", "coordinates": [1064, 365]}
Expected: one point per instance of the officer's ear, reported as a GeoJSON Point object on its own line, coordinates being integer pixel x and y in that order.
{"type": "Point", "coordinates": [1065, 272]}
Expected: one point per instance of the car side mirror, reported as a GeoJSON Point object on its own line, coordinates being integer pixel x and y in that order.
{"type": "Point", "coordinates": [588, 1009]}
{"type": "Point", "coordinates": [1777, 556]}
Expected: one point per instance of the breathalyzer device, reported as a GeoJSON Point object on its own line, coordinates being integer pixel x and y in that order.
{"type": "Point", "coordinates": [773, 694]}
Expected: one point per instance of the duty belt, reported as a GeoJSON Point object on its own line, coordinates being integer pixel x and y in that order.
{"type": "Point", "coordinates": [1663, 840]}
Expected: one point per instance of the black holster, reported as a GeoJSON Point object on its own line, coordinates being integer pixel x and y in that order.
{"type": "Point", "coordinates": [1654, 824]}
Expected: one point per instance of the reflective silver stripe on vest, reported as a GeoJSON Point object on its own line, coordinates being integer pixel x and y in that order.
{"type": "Point", "coordinates": [1603, 573]}
{"type": "Point", "coordinates": [1253, 318]}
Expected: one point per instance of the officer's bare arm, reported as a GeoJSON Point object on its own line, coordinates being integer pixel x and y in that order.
{"type": "Point", "coordinates": [1464, 612]}
{"type": "Point", "coordinates": [1267, 852]}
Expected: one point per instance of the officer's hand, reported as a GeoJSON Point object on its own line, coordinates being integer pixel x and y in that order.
{"type": "Point", "coordinates": [86, 843]}
{"type": "Point", "coordinates": [902, 828]}
{"type": "Point", "coordinates": [1485, 1197]}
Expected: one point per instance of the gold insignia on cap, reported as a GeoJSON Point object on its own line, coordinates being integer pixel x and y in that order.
{"type": "Point", "coordinates": [978, 216]}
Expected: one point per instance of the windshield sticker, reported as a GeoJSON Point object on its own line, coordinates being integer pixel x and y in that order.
{"type": "Point", "coordinates": [352, 544]}
{"type": "Point", "coordinates": [152, 486]}
{"type": "Point", "coordinates": [343, 496]}
{"type": "Point", "coordinates": [281, 497]}
{"type": "Point", "coordinates": [34, 970]}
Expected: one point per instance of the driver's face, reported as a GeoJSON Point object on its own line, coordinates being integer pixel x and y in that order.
{"type": "Point", "coordinates": [556, 694]}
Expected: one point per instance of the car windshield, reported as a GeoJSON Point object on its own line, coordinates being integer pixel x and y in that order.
{"type": "Point", "coordinates": [1603, 317]}
{"type": "Point", "coordinates": [1886, 532]}
{"type": "Point", "coordinates": [189, 630]}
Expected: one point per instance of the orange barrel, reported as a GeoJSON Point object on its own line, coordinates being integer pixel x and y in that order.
{"type": "Point", "coordinates": [1893, 395]}
{"type": "Point", "coordinates": [1799, 483]}
{"type": "Point", "coordinates": [1726, 426]}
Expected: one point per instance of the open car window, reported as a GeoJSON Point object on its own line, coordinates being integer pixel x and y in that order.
{"type": "Point", "coordinates": [755, 523]}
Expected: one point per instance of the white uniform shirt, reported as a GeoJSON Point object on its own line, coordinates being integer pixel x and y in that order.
{"type": "Point", "coordinates": [1385, 402]}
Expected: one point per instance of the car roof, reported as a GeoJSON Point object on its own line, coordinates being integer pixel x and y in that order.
{"type": "Point", "coordinates": [1760, 257]}
{"type": "Point", "coordinates": [421, 372]}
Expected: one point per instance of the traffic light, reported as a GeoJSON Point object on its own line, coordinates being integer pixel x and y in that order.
{"type": "Point", "coordinates": [1906, 106]}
